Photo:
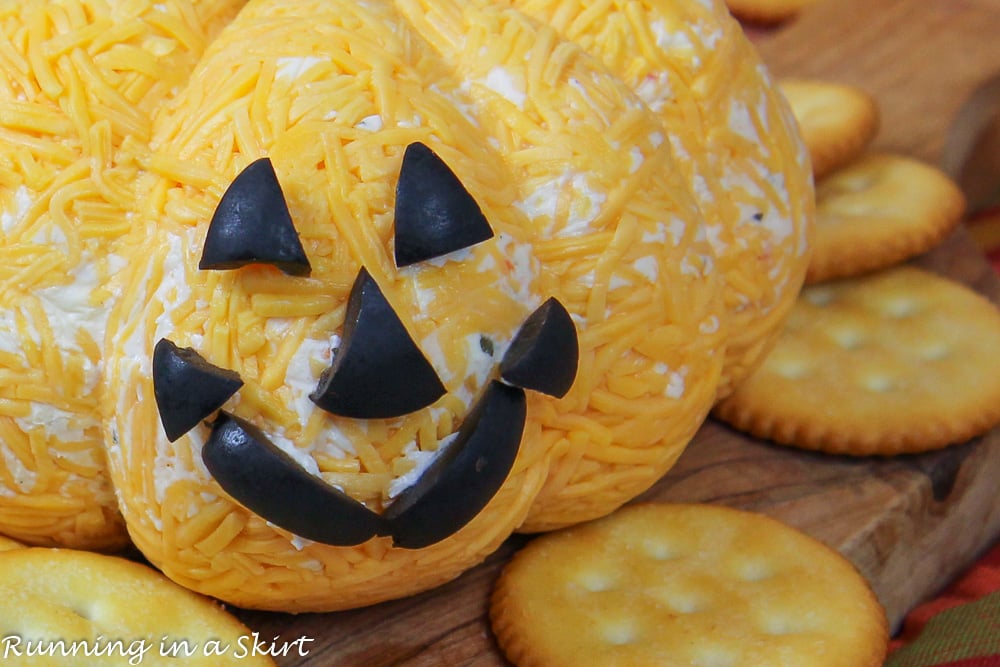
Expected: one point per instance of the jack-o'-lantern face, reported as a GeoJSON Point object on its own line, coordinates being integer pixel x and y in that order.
{"type": "Point", "coordinates": [377, 371]}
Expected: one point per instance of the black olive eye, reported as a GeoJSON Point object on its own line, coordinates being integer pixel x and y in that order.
{"type": "Point", "coordinates": [252, 225]}
{"type": "Point", "coordinates": [466, 475]}
{"type": "Point", "coordinates": [268, 482]}
{"type": "Point", "coordinates": [378, 372]}
{"type": "Point", "coordinates": [545, 352]}
{"type": "Point", "coordinates": [187, 388]}
{"type": "Point", "coordinates": [435, 214]}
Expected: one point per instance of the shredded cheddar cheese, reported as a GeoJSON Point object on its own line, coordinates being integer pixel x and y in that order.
{"type": "Point", "coordinates": [740, 153]}
{"type": "Point", "coordinates": [319, 104]}
{"type": "Point", "coordinates": [79, 84]}
{"type": "Point", "coordinates": [595, 213]}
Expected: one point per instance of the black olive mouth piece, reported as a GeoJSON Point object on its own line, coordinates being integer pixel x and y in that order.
{"type": "Point", "coordinates": [452, 491]}
{"type": "Point", "coordinates": [269, 483]}
{"type": "Point", "coordinates": [187, 388]}
{"type": "Point", "coordinates": [545, 352]}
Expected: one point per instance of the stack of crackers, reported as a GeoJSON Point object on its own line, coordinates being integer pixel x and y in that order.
{"type": "Point", "coordinates": [878, 357]}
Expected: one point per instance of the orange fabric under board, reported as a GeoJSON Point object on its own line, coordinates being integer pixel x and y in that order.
{"type": "Point", "coordinates": [960, 627]}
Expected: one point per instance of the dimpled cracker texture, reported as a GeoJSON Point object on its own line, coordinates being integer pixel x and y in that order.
{"type": "Point", "coordinates": [576, 178]}
{"type": "Point", "coordinates": [79, 83]}
{"type": "Point", "coordinates": [878, 211]}
{"type": "Point", "coordinates": [679, 585]}
{"type": "Point", "coordinates": [891, 362]}
{"type": "Point", "coordinates": [75, 608]}
{"type": "Point", "coordinates": [735, 140]}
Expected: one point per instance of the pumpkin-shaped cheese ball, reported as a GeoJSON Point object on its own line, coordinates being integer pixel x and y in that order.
{"type": "Point", "coordinates": [79, 83]}
{"type": "Point", "coordinates": [304, 491]}
{"type": "Point", "coordinates": [735, 141]}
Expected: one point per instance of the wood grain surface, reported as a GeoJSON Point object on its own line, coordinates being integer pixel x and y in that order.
{"type": "Point", "coordinates": [909, 523]}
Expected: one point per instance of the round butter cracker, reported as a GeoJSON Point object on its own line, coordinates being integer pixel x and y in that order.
{"type": "Point", "coordinates": [67, 607]}
{"type": "Point", "coordinates": [879, 211]}
{"type": "Point", "coordinates": [661, 584]}
{"type": "Point", "coordinates": [894, 362]}
{"type": "Point", "coordinates": [837, 121]}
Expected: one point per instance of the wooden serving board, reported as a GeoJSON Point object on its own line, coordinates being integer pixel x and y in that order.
{"type": "Point", "coordinates": [909, 523]}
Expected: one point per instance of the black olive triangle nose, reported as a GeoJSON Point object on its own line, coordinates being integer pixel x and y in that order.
{"type": "Point", "coordinates": [434, 213]}
{"type": "Point", "coordinates": [252, 225]}
{"type": "Point", "coordinates": [188, 388]}
{"type": "Point", "coordinates": [378, 372]}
